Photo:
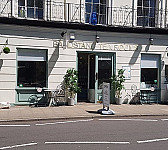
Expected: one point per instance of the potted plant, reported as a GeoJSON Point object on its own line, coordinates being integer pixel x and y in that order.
{"type": "Point", "coordinates": [6, 50]}
{"type": "Point", "coordinates": [118, 85]}
{"type": "Point", "coordinates": [71, 85]}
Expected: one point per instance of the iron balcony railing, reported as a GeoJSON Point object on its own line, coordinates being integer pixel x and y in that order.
{"type": "Point", "coordinates": [70, 12]}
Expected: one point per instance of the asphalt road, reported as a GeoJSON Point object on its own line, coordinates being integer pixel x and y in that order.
{"type": "Point", "coordinates": [143, 133]}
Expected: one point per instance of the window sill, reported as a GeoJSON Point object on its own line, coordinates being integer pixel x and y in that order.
{"type": "Point", "coordinates": [29, 88]}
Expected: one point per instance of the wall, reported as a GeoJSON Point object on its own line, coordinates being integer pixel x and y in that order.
{"type": "Point", "coordinates": [37, 38]}
{"type": "Point", "coordinates": [60, 59]}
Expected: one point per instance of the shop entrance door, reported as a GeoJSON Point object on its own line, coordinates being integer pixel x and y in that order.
{"type": "Point", "coordinates": [93, 70]}
{"type": "Point", "coordinates": [104, 70]}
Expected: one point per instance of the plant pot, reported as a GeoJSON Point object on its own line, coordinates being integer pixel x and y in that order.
{"type": "Point", "coordinates": [119, 101]}
{"type": "Point", "coordinates": [71, 101]}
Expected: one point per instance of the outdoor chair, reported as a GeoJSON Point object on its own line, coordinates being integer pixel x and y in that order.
{"type": "Point", "coordinates": [57, 96]}
{"type": "Point", "coordinates": [135, 95]}
{"type": "Point", "coordinates": [60, 94]}
{"type": "Point", "coordinates": [35, 98]}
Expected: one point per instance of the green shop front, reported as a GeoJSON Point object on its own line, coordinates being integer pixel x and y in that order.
{"type": "Point", "coordinates": [31, 75]}
{"type": "Point", "coordinates": [94, 68]}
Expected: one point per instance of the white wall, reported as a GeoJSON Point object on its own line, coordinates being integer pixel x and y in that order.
{"type": "Point", "coordinates": [59, 60]}
{"type": "Point", "coordinates": [121, 3]}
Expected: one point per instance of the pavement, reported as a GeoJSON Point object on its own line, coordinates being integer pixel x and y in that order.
{"type": "Point", "coordinates": [79, 111]}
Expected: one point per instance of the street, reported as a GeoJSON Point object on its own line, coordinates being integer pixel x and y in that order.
{"type": "Point", "coordinates": [127, 133]}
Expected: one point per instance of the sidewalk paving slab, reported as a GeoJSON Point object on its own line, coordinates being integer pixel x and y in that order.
{"type": "Point", "coordinates": [79, 111]}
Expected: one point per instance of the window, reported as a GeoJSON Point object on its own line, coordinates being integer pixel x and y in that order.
{"type": "Point", "coordinates": [104, 69]}
{"type": "Point", "coordinates": [98, 6]}
{"type": "Point", "coordinates": [166, 73]}
{"type": "Point", "coordinates": [30, 8]}
{"type": "Point", "coordinates": [31, 68]}
{"type": "Point", "coordinates": [149, 75]}
{"type": "Point", "coordinates": [150, 70]}
{"type": "Point", "coordinates": [146, 13]}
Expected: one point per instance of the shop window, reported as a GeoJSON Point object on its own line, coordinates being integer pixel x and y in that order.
{"type": "Point", "coordinates": [146, 13]}
{"type": "Point", "coordinates": [97, 6]}
{"type": "Point", "coordinates": [149, 70]}
{"type": "Point", "coordinates": [30, 8]}
{"type": "Point", "coordinates": [149, 76]}
{"type": "Point", "coordinates": [166, 73]}
{"type": "Point", "coordinates": [31, 68]}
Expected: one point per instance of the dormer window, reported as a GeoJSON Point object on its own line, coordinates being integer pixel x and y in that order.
{"type": "Point", "coordinates": [30, 9]}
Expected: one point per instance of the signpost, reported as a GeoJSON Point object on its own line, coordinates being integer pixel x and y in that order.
{"type": "Point", "coordinates": [106, 95]}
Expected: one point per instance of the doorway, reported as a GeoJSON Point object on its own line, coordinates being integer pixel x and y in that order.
{"type": "Point", "coordinates": [93, 70]}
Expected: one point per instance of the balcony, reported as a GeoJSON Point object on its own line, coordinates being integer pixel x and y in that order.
{"type": "Point", "coordinates": [76, 13]}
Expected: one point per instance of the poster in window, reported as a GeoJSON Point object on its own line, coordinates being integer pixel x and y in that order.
{"type": "Point", "coordinates": [127, 72]}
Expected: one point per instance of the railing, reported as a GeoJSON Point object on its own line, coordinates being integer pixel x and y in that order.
{"type": "Point", "coordinates": [70, 12]}
{"type": "Point", "coordinates": [5, 8]}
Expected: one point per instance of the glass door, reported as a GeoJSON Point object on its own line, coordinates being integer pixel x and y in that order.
{"type": "Point", "coordinates": [104, 66]}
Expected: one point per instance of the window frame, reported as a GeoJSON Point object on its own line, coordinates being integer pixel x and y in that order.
{"type": "Point", "coordinates": [146, 13]}
{"type": "Point", "coordinates": [46, 68]}
{"type": "Point", "coordinates": [166, 74]}
{"type": "Point", "coordinates": [23, 10]}
{"type": "Point", "coordinates": [101, 13]}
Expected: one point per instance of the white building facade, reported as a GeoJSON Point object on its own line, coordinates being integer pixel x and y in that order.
{"type": "Point", "coordinates": [48, 37]}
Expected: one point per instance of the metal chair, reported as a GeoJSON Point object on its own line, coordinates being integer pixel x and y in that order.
{"type": "Point", "coordinates": [135, 95]}
{"type": "Point", "coordinates": [60, 94]}
{"type": "Point", "coordinates": [51, 98]}
{"type": "Point", "coordinates": [35, 98]}
{"type": "Point", "coordinates": [55, 97]}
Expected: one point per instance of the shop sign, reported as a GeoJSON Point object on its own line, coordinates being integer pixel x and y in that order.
{"type": "Point", "coordinates": [99, 46]}
{"type": "Point", "coordinates": [106, 94]}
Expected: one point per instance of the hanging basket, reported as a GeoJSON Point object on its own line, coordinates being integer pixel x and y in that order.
{"type": "Point", "coordinates": [6, 50]}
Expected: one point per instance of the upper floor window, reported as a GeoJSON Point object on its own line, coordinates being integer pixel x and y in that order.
{"type": "Point", "coordinates": [97, 6]}
{"type": "Point", "coordinates": [30, 8]}
{"type": "Point", "coordinates": [146, 13]}
{"type": "Point", "coordinates": [166, 73]}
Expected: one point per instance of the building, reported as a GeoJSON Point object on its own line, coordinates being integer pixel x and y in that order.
{"type": "Point", "coordinates": [46, 37]}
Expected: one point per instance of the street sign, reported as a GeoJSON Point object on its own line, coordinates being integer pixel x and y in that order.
{"type": "Point", "coordinates": [106, 95]}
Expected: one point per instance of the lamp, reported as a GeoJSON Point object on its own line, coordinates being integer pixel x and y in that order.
{"type": "Point", "coordinates": [97, 38]}
{"type": "Point", "coordinates": [5, 49]}
{"type": "Point", "coordinates": [72, 36]}
{"type": "Point", "coordinates": [63, 33]}
{"type": "Point", "coordinates": [93, 46]}
{"type": "Point", "coordinates": [150, 41]}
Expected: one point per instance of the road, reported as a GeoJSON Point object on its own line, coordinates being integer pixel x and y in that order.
{"type": "Point", "coordinates": [99, 134]}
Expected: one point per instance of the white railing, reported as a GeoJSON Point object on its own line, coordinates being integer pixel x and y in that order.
{"type": "Point", "coordinates": [70, 12]}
